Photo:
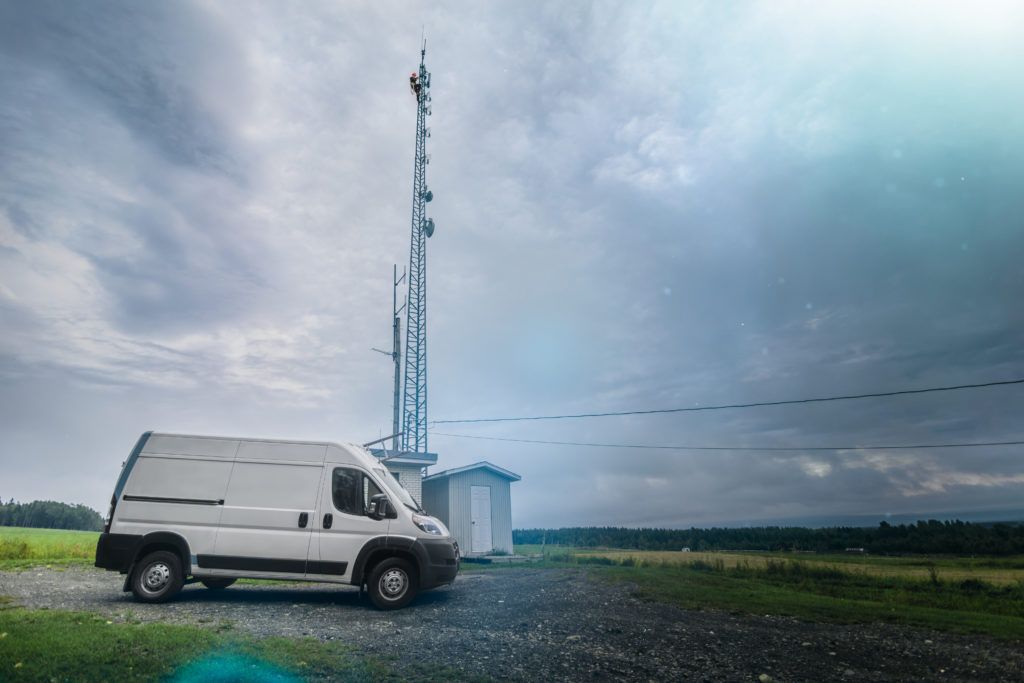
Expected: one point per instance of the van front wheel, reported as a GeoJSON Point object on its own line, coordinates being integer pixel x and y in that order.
{"type": "Point", "coordinates": [157, 578]}
{"type": "Point", "coordinates": [392, 583]}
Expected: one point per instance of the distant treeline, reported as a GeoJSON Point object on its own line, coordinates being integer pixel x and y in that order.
{"type": "Point", "coordinates": [931, 537]}
{"type": "Point", "coordinates": [49, 514]}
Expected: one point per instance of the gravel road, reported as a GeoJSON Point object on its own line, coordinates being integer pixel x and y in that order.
{"type": "Point", "coordinates": [548, 624]}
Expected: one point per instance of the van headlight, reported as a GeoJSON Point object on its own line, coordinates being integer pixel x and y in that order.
{"type": "Point", "coordinates": [427, 525]}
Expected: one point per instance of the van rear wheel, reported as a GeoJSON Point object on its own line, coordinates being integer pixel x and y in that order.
{"type": "Point", "coordinates": [393, 583]}
{"type": "Point", "coordinates": [216, 584]}
{"type": "Point", "coordinates": [158, 577]}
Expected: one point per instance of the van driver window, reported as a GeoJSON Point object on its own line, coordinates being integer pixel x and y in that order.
{"type": "Point", "coordinates": [352, 490]}
{"type": "Point", "coordinates": [347, 490]}
{"type": "Point", "coordinates": [370, 490]}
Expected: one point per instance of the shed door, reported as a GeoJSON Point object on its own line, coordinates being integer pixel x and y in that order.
{"type": "Point", "coordinates": [480, 518]}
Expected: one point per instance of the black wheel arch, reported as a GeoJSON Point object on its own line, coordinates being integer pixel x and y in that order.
{"type": "Point", "coordinates": [381, 547]}
{"type": "Point", "coordinates": [165, 540]}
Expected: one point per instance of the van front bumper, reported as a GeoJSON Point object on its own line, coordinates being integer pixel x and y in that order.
{"type": "Point", "coordinates": [442, 561]}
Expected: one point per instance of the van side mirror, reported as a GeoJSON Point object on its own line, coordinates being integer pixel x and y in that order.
{"type": "Point", "coordinates": [380, 508]}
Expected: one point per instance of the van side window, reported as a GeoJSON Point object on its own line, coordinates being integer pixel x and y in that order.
{"type": "Point", "coordinates": [369, 491]}
{"type": "Point", "coordinates": [351, 490]}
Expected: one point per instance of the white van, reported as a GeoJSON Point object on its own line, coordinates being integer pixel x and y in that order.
{"type": "Point", "coordinates": [212, 509]}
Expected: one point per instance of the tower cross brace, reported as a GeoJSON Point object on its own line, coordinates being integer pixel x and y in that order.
{"type": "Point", "coordinates": [414, 401]}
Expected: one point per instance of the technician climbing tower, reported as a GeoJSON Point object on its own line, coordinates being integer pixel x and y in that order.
{"type": "Point", "coordinates": [414, 402]}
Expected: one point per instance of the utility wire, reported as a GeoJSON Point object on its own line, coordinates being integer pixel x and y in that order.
{"type": "Point", "coordinates": [694, 409]}
{"type": "Point", "coordinates": [736, 448]}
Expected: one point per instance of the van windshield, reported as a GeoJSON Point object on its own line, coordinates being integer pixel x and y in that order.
{"type": "Point", "coordinates": [397, 489]}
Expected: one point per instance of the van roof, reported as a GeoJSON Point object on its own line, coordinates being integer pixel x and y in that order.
{"type": "Point", "coordinates": [258, 438]}
{"type": "Point", "coordinates": [247, 448]}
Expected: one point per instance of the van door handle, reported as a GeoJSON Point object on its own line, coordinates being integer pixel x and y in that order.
{"type": "Point", "coordinates": [328, 520]}
{"type": "Point", "coordinates": [303, 519]}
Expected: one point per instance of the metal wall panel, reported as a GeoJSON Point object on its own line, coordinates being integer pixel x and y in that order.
{"type": "Point", "coordinates": [459, 492]}
{"type": "Point", "coordinates": [435, 500]}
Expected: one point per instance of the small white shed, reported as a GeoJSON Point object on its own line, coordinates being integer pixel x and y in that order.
{"type": "Point", "coordinates": [475, 503]}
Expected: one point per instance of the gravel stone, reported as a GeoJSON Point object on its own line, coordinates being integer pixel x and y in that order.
{"type": "Point", "coordinates": [548, 624]}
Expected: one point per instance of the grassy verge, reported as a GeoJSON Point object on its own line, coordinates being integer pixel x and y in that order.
{"type": "Point", "coordinates": [51, 645]}
{"type": "Point", "coordinates": [21, 548]}
{"type": "Point", "coordinates": [996, 570]}
{"type": "Point", "coordinates": [820, 593]}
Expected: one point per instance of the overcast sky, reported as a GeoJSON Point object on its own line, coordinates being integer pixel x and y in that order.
{"type": "Point", "coordinates": [638, 205]}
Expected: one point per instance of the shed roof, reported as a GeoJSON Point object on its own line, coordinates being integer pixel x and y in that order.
{"type": "Point", "coordinates": [500, 471]}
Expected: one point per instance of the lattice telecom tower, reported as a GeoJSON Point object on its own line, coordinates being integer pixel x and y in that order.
{"type": "Point", "coordinates": [414, 403]}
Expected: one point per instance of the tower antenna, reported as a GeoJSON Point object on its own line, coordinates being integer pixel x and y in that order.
{"type": "Point", "coordinates": [396, 355]}
{"type": "Point", "coordinates": [414, 403]}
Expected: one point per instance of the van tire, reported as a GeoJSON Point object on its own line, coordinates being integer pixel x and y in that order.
{"type": "Point", "coordinates": [217, 584]}
{"type": "Point", "coordinates": [157, 577]}
{"type": "Point", "coordinates": [393, 583]}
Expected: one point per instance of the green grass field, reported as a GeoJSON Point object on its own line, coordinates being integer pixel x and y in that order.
{"type": "Point", "coordinates": [797, 590]}
{"type": "Point", "coordinates": [965, 595]}
{"type": "Point", "coordinates": [1001, 571]}
{"type": "Point", "coordinates": [44, 645]}
{"type": "Point", "coordinates": [996, 570]}
{"type": "Point", "coordinates": [21, 548]}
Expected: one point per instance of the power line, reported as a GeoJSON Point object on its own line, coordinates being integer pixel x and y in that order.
{"type": "Point", "coordinates": [694, 409]}
{"type": "Point", "coordinates": [736, 448]}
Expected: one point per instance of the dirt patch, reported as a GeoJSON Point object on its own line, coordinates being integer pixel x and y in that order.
{"type": "Point", "coordinates": [553, 624]}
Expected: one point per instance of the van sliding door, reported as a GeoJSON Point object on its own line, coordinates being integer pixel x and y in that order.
{"type": "Point", "coordinates": [267, 521]}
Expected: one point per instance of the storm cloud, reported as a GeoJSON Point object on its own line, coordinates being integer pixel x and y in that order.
{"type": "Point", "coordinates": [638, 206]}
